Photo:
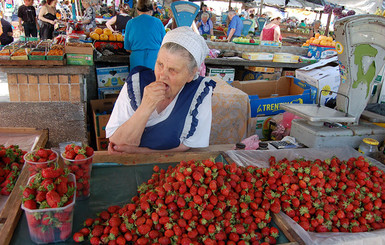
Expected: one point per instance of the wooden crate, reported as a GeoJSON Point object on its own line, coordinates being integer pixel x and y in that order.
{"type": "Point", "coordinates": [10, 215]}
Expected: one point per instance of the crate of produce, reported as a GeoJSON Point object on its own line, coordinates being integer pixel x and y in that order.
{"type": "Point", "coordinates": [56, 52]}
{"type": "Point", "coordinates": [80, 59]}
{"type": "Point", "coordinates": [20, 54]}
{"type": "Point", "coordinates": [37, 54]}
{"type": "Point", "coordinates": [5, 54]}
{"type": "Point", "coordinates": [79, 48]}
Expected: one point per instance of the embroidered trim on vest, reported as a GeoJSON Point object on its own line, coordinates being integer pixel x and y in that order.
{"type": "Point", "coordinates": [191, 121]}
{"type": "Point", "coordinates": [133, 89]}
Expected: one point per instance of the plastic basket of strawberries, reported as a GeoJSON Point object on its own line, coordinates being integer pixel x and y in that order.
{"type": "Point", "coordinates": [40, 159]}
{"type": "Point", "coordinates": [78, 159]}
{"type": "Point", "coordinates": [48, 201]}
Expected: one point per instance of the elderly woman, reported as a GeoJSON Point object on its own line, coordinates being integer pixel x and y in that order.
{"type": "Point", "coordinates": [205, 25]}
{"type": "Point", "coordinates": [89, 16]}
{"type": "Point", "coordinates": [168, 109]}
{"type": "Point", "coordinates": [315, 29]}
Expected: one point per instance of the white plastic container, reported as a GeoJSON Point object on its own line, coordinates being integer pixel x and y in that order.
{"type": "Point", "coordinates": [50, 225]}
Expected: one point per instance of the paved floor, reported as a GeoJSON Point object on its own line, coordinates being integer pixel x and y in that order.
{"type": "Point", "coordinates": [4, 94]}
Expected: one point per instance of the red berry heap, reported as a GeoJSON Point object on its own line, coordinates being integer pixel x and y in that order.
{"type": "Point", "coordinates": [78, 159]}
{"type": "Point", "coordinates": [11, 163]}
{"type": "Point", "coordinates": [192, 203]}
{"type": "Point", "coordinates": [40, 159]}
{"type": "Point", "coordinates": [49, 198]}
{"type": "Point", "coordinates": [330, 195]}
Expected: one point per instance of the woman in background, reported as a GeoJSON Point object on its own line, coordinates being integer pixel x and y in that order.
{"type": "Point", "coordinates": [120, 20]}
{"type": "Point", "coordinates": [47, 15]}
{"type": "Point", "coordinates": [272, 31]}
{"type": "Point", "coordinates": [89, 16]}
{"type": "Point", "coordinates": [144, 35]}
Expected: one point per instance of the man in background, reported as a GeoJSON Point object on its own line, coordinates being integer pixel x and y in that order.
{"type": "Point", "coordinates": [27, 19]}
{"type": "Point", "coordinates": [235, 26]}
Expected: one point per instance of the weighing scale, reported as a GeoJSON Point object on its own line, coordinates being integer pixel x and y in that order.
{"type": "Point", "coordinates": [184, 12]}
{"type": "Point", "coordinates": [361, 54]}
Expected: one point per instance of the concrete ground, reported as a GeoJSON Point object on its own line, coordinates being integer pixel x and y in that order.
{"type": "Point", "coordinates": [4, 93]}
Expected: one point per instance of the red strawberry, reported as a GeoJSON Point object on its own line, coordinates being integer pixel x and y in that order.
{"type": "Point", "coordinates": [40, 196]}
{"type": "Point", "coordinates": [70, 154]}
{"type": "Point", "coordinates": [42, 153]}
{"type": "Point", "coordinates": [89, 151]}
{"type": "Point", "coordinates": [29, 193]}
{"type": "Point", "coordinates": [30, 204]}
{"type": "Point", "coordinates": [53, 199]}
{"type": "Point", "coordinates": [51, 173]}
{"type": "Point", "coordinates": [78, 237]}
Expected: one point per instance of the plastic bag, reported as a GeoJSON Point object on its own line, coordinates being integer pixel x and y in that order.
{"type": "Point", "coordinates": [252, 142]}
{"type": "Point", "coordinates": [283, 125]}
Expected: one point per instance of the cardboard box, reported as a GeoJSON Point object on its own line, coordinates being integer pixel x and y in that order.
{"type": "Point", "coordinates": [112, 76]}
{"type": "Point", "coordinates": [266, 96]}
{"type": "Point", "coordinates": [88, 49]}
{"type": "Point", "coordinates": [247, 75]}
{"type": "Point", "coordinates": [285, 58]}
{"type": "Point", "coordinates": [101, 111]}
{"type": "Point", "coordinates": [323, 75]}
{"type": "Point", "coordinates": [80, 59]}
{"type": "Point", "coordinates": [102, 144]}
{"type": "Point", "coordinates": [226, 74]}
{"type": "Point", "coordinates": [321, 52]}
{"type": "Point", "coordinates": [258, 56]}
{"type": "Point", "coordinates": [288, 73]}
{"type": "Point", "coordinates": [109, 92]}
{"type": "Point", "coordinates": [262, 69]}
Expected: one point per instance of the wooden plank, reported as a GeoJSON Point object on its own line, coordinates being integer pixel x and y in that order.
{"type": "Point", "coordinates": [103, 156]}
{"type": "Point", "coordinates": [289, 232]}
{"type": "Point", "coordinates": [10, 215]}
{"type": "Point", "coordinates": [37, 63]}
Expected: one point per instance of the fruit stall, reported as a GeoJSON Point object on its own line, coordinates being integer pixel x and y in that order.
{"type": "Point", "coordinates": [215, 196]}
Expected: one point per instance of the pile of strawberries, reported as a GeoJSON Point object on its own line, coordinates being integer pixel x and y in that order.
{"type": "Point", "coordinates": [40, 159]}
{"type": "Point", "coordinates": [78, 159]}
{"type": "Point", "coordinates": [193, 203]}
{"type": "Point", "coordinates": [48, 200]}
{"type": "Point", "coordinates": [330, 195]}
{"type": "Point", "coordinates": [11, 163]}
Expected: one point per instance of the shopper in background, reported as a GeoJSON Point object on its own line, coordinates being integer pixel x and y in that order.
{"type": "Point", "coordinates": [144, 35]}
{"type": "Point", "coordinates": [203, 10]}
{"type": "Point", "coordinates": [302, 24]}
{"type": "Point", "coordinates": [120, 20]}
{"type": "Point", "coordinates": [205, 25]}
{"type": "Point", "coordinates": [89, 16]}
{"type": "Point", "coordinates": [235, 25]}
{"type": "Point", "coordinates": [6, 33]}
{"type": "Point", "coordinates": [47, 15]}
{"type": "Point", "coordinates": [153, 110]}
{"type": "Point", "coordinates": [253, 25]}
{"type": "Point", "coordinates": [66, 11]}
{"type": "Point", "coordinates": [272, 31]}
{"type": "Point", "coordinates": [315, 29]}
{"type": "Point", "coordinates": [27, 19]}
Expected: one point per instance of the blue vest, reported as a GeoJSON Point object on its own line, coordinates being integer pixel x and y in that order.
{"type": "Point", "coordinates": [182, 120]}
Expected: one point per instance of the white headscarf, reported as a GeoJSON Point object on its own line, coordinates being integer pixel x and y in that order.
{"type": "Point", "coordinates": [187, 38]}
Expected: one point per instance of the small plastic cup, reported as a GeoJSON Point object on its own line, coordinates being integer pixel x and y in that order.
{"type": "Point", "coordinates": [82, 171]}
{"type": "Point", "coordinates": [37, 167]}
{"type": "Point", "coordinates": [50, 225]}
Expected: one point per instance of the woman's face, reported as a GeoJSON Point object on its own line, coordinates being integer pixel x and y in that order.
{"type": "Point", "coordinates": [172, 69]}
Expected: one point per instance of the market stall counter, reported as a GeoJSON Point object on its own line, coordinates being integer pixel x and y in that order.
{"type": "Point", "coordinates": [116, 184]}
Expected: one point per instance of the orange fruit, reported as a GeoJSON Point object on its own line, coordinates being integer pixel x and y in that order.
{"type": "Point", "coordinates": [107, 31]}
{"type": "Point", "coordinates": [103, 37]}
{"type": "Point", "coordinates": [317, 35]}
{"type": "Point", "coordinates": [94, 36]}
{"type": "Point", "coordinates": [112, 37]}
{"type": "Point", "coordinates": [119, 37]}
{"type": "Point", "coordinates": [99, 31]}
